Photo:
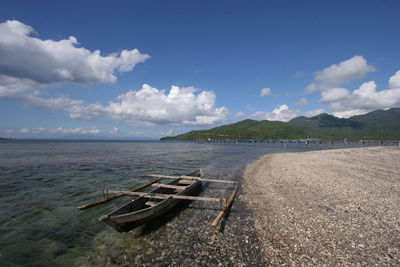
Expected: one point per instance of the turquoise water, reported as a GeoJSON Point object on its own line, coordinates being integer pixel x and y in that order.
{"type": "Point", "coordinates": [42, 183]}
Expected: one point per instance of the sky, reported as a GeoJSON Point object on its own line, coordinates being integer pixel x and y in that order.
{"type": "Point", "coordinates": [124, 69]}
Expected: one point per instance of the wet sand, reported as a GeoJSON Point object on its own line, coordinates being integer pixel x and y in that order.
{"type": "Point", "coordinates": [332, 207]}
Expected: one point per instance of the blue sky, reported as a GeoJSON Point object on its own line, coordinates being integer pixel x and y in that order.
{"type": "Point", "coordinates": [154, 68]}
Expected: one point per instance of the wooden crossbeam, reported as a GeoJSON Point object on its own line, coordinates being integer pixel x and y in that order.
{"type": "Point", "coordinates": [179, 187]}
{"type": "Point", "coordinates": [165, 196]}
{"type": "Point", "coordinates": [117, 196]}
{"type": "Point", "coordinates": [186, 182]}
{"type": "Point", "coordinates": [191, 178]}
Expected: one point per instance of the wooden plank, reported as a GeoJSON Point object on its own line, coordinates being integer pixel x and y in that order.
{"type": "Point", "coordinates": [117, 196]}
{"type": "Point", "coordinates": [179, 187]}
{"type": "Point", "coordinates": [191, 178]}
{"type": "Point", "coordinates": [226, 209]}
{"type": "Point", "coordinates": [186, 182]}
{"type": "Point", "coordinates": [165, 196]}
{"type": "Point", "coordinates": [151, 204]}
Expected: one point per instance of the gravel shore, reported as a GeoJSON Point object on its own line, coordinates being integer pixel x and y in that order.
{"type": "Point", "coordinates": [332, 207]}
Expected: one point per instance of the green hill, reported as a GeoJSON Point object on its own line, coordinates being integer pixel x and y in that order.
{"type": "Point", "coordinates": [379, 124]}
{"type": "Point", "coordinates": [245, 130]}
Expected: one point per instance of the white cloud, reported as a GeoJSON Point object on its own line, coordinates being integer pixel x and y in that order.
{"type": "Point", "coordinates": [302, 102]}
{"type": "Point", "coordinates": [394, 81]}
{"type": "Point", "coordinates": [24, 130]}
{"type": "Point", "coordinates": [337, 74]}
{"type": "Point", "coordinates": [265, 92]}
{"type": "Point", "coordinates": [74, 131]}
{"type": "Point", "coordinates": [314, 112]}
{"type": "Point", "coordinates": [28, 62]}
{"type": "Point", "coordinates": [75, 108]}
{"type": "Point", "coordinates": [47, 61]}
{"type": "Point", "coordinates": [11, 87]}
{"type": "Point", "coordinates": [78, 132]}
{"type": "Point", "coordinates": [366, 98]}
{"type": "Point", "coordinates": [334, 94]}
{"type": "Point", "coordinates": [63, 131]}
{"type": "Point", "coordinates": [281, 113]}
{"type": "Point", "coordinates": [148, 106]}
{"type": "Point", "coordinates": [181, 106]}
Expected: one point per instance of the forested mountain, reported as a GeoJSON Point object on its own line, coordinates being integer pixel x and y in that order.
{"type": "Point", "coordinates": [379, 124]}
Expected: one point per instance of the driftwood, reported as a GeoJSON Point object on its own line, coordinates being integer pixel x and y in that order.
{"type": "Point", "coordinates": [117, 196]}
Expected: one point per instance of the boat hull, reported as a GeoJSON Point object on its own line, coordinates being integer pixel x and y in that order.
{"type": "Point", "coordinates": [136, 212]}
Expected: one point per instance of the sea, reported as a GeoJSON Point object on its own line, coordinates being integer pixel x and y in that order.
{"type": "Point", "coordinates": [42, 182]}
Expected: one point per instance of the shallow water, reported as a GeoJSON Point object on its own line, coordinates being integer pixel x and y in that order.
{"type": "Point", "coordinates": [42, 183]}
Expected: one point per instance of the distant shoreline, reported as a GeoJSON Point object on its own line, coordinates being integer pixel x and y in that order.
{"type": "Point", "coordinates": [331, 207]}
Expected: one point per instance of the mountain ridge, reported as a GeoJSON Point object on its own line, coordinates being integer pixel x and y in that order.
{"type": "Point", "coordinates": [378, 124]}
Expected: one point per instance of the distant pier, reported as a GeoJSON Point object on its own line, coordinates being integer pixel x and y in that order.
{"type": "Point", "coordinates": [311, 142]}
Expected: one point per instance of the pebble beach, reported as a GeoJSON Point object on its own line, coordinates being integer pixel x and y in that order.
{"type": "Point", "coordinates": [331, 207]}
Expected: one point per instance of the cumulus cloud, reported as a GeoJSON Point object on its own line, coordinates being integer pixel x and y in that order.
{"type": "Point", "coordinates": [265, 92]}
{"type": "Point", "coordinates": [281, 113]}
{"type": "Point", "coordinates": [148, 106]}
{"type": "Point", "coordinates": [28, 60]}
{"type": "Point", "coordinates": [394, 81]}
{"type": "Point", "coordinates": [346, 103]}
{"type": "Point", "coordinates": [28, 63]}
{"type": "Point", "coordinates": [337, 74]}
{"type": "Point", "coordinates": [180, 106]}
{"type": "Point", "coordinates": [334, 94]}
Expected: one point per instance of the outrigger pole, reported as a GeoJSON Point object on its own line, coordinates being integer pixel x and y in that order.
{"type": "Point", "coordinates": [228, 202]}
{"type": "Point", "coordinates": [192, 178]}
{"type": "Point", "coordinates": [228, 206]}
{"type": "Point", "coordinates": [117, 196]}
{"type": "Point", "coordinates": [165, 196]}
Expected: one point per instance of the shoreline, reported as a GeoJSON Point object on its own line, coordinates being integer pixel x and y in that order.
{"type": "Point", "coordinates": [332, 207]}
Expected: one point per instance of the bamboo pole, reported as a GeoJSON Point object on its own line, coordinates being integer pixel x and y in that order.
{"type": "Point", "coordinates": [165, 196]}
{"type": "Point", "coordinates": [226, 209]}
{"type": "Point", "coordinates": [117, 196]}
{"type": "Point", "coordinates": [191, 178]}
{"type": "Point", "coordinates": [179, 187]}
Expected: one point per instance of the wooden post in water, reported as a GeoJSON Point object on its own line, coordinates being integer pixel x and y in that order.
{"type": "Point", "coordinates": [226, 209]}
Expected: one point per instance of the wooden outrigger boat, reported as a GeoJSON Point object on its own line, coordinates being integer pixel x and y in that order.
{"type": "Point", "coordinates": [151, 205]}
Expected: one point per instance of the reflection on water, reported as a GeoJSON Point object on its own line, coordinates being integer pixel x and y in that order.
{"type": "Point", "coordinates": [42, 183]}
